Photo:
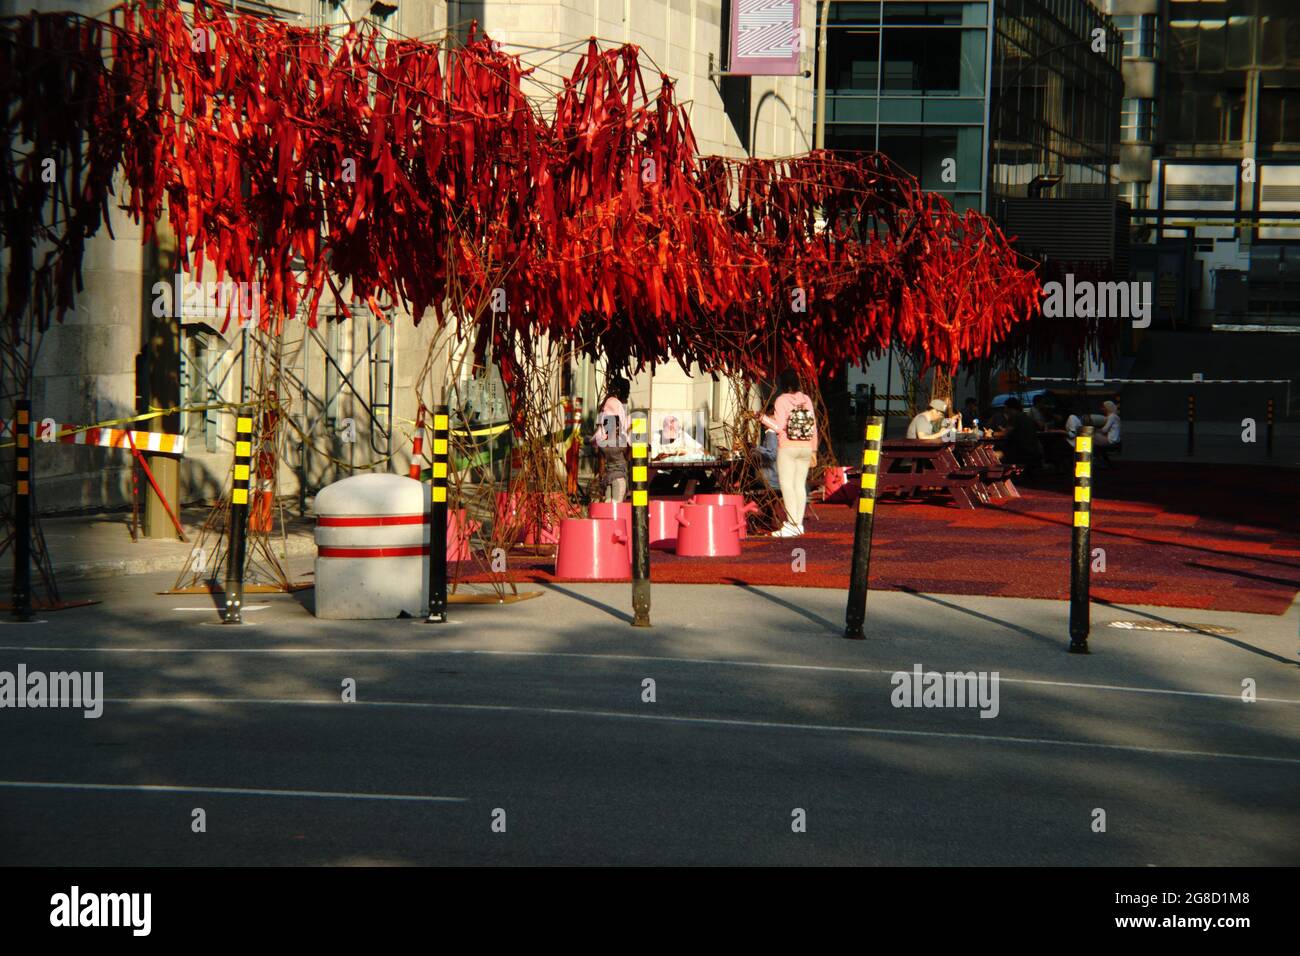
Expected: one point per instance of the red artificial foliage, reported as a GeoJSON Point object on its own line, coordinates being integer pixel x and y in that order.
{"type": "Point", "coordinates": [400, 173]}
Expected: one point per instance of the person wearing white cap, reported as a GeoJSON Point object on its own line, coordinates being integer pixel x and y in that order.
{"type": "Point", "coordinates": [925, 426]}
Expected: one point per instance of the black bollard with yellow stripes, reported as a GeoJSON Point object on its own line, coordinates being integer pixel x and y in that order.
{"type": "Point", "coordinates": [640, 522]}
{"type": "Point", "coordinates": [857, 608]}
{"type": "Point", "coordinates": [1081, 554]}
{"type": "Point", "coordinates": [22, 586]}
{"type": "Point", "coordinates": [438, 520]}
{"type": "Point", "coordinates": [237, 551]}
{"type": "Point", "coordinates": [1268, 441]}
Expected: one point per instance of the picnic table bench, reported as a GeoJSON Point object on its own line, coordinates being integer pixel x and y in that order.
{"type": "Point", "coordinates": [968, 471]}
{"type": "Point", "coordinates": [714, 471]}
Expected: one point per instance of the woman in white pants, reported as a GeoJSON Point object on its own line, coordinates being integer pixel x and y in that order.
{"type": "Point", "coordinates": [794, 419]}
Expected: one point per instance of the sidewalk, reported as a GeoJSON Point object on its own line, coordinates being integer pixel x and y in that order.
{"type": "Point", "coordinates": [97, 546]}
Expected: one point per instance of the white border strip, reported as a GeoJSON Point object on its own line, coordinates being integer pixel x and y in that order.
{"type": "Point", "coordinates": [223, 791]}
{"type": "Point", "coordinates": [638, 658]}
{"type": "Point", "coordinates": [702, 722]}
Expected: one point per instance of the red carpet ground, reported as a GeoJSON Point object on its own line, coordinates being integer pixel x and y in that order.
{"type": "Point", "coordinates": [1215, 537]}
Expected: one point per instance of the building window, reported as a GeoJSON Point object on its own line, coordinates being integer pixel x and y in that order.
{"type": "Point", "coordinates": [1141, 35]}
{"type": "Point", "coordinates": [1135, 194]}
{"type": "Point", "coordinates": [1206, 117]}
{"type": "Point", "coordinates": [1137, 121]}
{"type": "Point", "coordinates": [1279, 117]}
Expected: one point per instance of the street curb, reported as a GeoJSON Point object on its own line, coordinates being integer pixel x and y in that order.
{"type": "Point", "coordinates": [298, 545]}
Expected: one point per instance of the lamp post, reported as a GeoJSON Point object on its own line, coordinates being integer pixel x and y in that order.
{"type": "Point", "coordinates": [819, 124]}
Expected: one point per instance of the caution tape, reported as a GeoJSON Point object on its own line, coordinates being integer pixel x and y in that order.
{"type": "Point", "coordinates": [161, 442]}
{"type": "Point", "coordinates": [107, 433]}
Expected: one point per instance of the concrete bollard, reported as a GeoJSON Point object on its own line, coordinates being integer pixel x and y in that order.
{"type": "Point", "coordinates": [370, 548]}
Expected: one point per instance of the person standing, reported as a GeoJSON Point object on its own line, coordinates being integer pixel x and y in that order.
{"type": "Point", "coordinates": [795, 422]}
{"type": "Point", "coordinates": [611, 438]}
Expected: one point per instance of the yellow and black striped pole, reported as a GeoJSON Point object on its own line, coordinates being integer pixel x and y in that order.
{"type": "Point", "coordinates": [1268, 440]}
{"type": "Point", "coordinates": [1081, 555]}
{"type": "Point", "coordinates": [237, 551]}
{"type": "Point", "coordinates": [640, 522]}
{"type": "Point", "coordinates": [22, 587]}
{"type": "Point", "coordinates": [438, 519]}
{"type": "Point", "coordinates": [857, 609]}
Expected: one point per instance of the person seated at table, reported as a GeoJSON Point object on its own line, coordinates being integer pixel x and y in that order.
{"type": "Point", "coordinates": [927, 426]}
{"type": "Point", "coordinates": [1021, 437]}
{"type": "Point", "coordinates": [1108, 436]}
{"type": "Point", "coordinates": [673, 441]}
{"type": "Point", "coordinates": [766, 454]}
{"type": "Point", "coordinates": [1073, 424]}
{"type": "Point", "coordinates": [1041, 413]}
{"type": "Point", "coordinates": [970, 413]}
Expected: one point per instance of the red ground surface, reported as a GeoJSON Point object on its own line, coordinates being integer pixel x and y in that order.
{"type": "Point", "coordinates": [1218, 537]}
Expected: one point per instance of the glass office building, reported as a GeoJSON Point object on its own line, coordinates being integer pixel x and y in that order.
{"type": "Point", "coordinates": [978, 99]}
{"type": "Point", "coordinates": [1210, 157]}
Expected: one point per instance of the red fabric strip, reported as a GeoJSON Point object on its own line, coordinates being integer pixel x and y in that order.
{"type": "Point", "coordinates": [411, 551]}
{"type": "Point", "coordinates": [368, 521]}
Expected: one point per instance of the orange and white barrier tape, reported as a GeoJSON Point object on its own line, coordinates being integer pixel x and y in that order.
{"type": "Point", "coordinates": [116, 438]}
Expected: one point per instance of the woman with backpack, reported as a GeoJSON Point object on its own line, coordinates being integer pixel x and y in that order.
{"type": "Point", "coordinates": [795, 422]}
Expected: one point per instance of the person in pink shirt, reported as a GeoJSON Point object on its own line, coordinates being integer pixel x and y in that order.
{"type": "Point", "coordinates": [612, 438]}
{"type": "Point", "coordinates": [794, 419]}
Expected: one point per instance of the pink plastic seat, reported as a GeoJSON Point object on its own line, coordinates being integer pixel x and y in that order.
{"type": "Point", "coordinates": [663, 523]}
{"type": "Point", "coordinates": [743, 508]}
{"type": "Point", "coordinates": [620, 511]}
{"type": "Point", "coordinates": [835, 484]}
{"type": "Point", "coordinates": [708, 531]}
{"type": "Point", "coordinates": [593, 549]}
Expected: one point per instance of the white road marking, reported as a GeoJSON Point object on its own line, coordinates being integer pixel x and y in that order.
{"type": "Point", "coordinates": [224, 791]}
{"type": "Point", "coordinates": [638, 658]}
{"type": "Point", "coordinates": [699, 721]}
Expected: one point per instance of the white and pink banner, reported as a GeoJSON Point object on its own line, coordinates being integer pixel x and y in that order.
{"type": "Point", "coordinates": [765, 37]}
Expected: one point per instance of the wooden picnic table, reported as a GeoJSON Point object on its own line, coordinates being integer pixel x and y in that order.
{"type": "Point", "coordinates": [994, 474]}
{"type": "Point", "coordinates": [694, 470]}
{"type": "Point", "coordinates": [910, 465]}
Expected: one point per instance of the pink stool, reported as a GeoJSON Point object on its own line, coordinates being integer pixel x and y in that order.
{"type": "Point", "coordinates": [743, 508]}
{"type": "Point", "coordinates": [835, 485]}
{"type": "Point", "coordinates": [663, 523]}
{"type": "Point", "coordinates": [593, 549]}
{"type": "Point", "coordinates": [529, 516]}
{"type": "Point", "coordinates": [708, 531]}
{"type": "Point", "coordinates": [617, 510]}
{"type": "Point", "coordinates": [459, 529]}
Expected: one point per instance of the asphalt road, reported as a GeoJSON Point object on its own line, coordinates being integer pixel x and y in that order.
{"type": "Point", "coordinates": [537, 710]}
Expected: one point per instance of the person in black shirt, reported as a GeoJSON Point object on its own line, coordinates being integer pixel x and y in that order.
{"type": "Point", "coordinates": [1021, 437]}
